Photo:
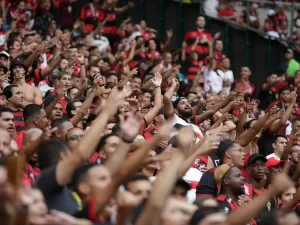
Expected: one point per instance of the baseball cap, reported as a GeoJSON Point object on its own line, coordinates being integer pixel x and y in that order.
{"type": "Point", "coordinates": [274, 162]}
{"type": "Point", "coordinates": [220, 173]}
{"type": "Point", "coordinates": [254, 157]}
{"type": "Point", "coordinates": [175, 103]}
{"type": "Point", "coordinates": [5, 54]}
{"type": "Point", "coordinates": [271, 12]}
{"type": "Point", "coordinates": [288, 50]}
{"type": "Point", "coordinates": [223, 147]}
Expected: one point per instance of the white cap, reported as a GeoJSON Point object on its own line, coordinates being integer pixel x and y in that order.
{"type": "Point", "coordinates": [5, 53]}
{"type": "Point", "coordinates": [271, 12]}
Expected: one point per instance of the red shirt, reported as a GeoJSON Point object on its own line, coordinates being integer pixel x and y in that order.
{"type": "Point", "coordinates": [191, 37]}
{"type": "Point", "coordinates": [90, 15]}
{"type": "Point", "coordinates": [19, 139]}
{"type": "Point", "coordinates": [110, 27]}
{"type": "Point", "coordinates": [22, 23]}
{"type": "Point", "coordinates": [227, 12]}
{"type": "Point", "coordinates": [281, 17]}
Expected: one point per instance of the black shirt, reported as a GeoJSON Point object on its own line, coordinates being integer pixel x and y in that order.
{"type": "Point", "coordinates": [207, 184]}
{"type": "Point", "coordinates": [56, 196]}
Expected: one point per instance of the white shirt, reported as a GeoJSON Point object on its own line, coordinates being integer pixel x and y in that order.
{"type": "Point", "coordinates": [177, 120]}
{"type": "Point", "coordinates": [227, 76]}
{"type": "Point", "coordinates": [100, 41]}
{"type": "Point", "coordinates": [213, 80]}
{"type": "Point", "coordinates": [273, 156]}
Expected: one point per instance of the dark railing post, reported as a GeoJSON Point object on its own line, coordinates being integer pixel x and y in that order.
{"type": "Point", "coordinates": [227, 39]}
{"type": "Point", "coordinates": [292, 20]}
{"type": "Point", "coordinates": [181, 29]}
{"type": "Point", "coordinates": [142, 9]}
{"type": "Point", "coordinates": [247, 36]}
{"type": "Point", "coordinates": [161, 19]}
{"type": "Point", "coordinates": [269, 60]}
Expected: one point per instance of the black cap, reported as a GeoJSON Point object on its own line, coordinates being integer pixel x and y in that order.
{"type": "Point", "coordinates": [223, 147]}
{"type": "Point", "coordinates": [182, 183]}
{"type": "Point", "coordinates": [18, 61]}
{"type": "Point", "coordinates": [254, 157]}
{"type": "Point", "coordinates": [175, 103]}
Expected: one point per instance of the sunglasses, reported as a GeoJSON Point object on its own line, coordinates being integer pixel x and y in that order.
{"type": "Point", "coordinates": [75, 137]}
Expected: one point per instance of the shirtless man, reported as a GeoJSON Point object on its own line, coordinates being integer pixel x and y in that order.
{"type": "Point", "coordinates": [18, 70]}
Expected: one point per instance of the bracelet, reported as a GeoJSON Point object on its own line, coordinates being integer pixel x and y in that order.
{"type": "Point", "coordinates": [157, 87]}
{"type": "Point", "coordinates": [126, 141]}
{"type": "Point", "coordinates": [82, 64]}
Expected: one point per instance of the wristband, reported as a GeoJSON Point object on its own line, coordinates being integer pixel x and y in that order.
{"type": "Point", "coordinates": [157, 87]}
{"type": "Point", "coordinates": [82, 64]}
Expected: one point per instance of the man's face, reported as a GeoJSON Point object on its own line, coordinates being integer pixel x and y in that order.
{"type": "Point", "coordinates": [73, 138]}
{"type": "Point", "coordinates": [295, 154]}
{"type": "Point", "coordinates": [258, 170]}
{"type": "Point", "coordinates": [21, 6]}
{"type": "Point", "coordinates": [296, 126]}
{"type": "Point", "coordinates": [235, 181]}
{"type": "Point", "coordinates": [288, 56]}
{"type": "Point", "coordinates": [225, 63]}
{"type": "Point", "coordinates": [200, 22]}
{"type": "Point", "coordinates": [279, 145]}
{"type": "Point", "coordinates": [4, 60]}
{"type": "Point", "coordinates": [57, 112]}
{"type": "Point", "coordinates": [76, 81]}
{"type": "Point", "coordinates": [64, 64]}
{"type": "Point", "coordinates": [111, 145]}
{"type": "Point", "coordinates": [73, 93]}
{"type": "Point", "coordinates": [5, 139]}
{"type": "Point", "coordinates": [16, 45]}
{"type": "Point", "coordinates": [219, 46]}
{"type": "Point", "coordinates": [113, 79]}
{"type": "Point", "coordinates": [19, 71]}
{"type": "Point", "coordinates": [137, 83]}
{"type": "Point", "coordinates": [272, 78]}
{"type": "Point", "coordinates": [237, 155]}
{"type": "Point", "coordinates": [140, 188]}
{"type": "Point", "coordinates": [7, 122]}
{"type": "Point", "coordinates": [168, 58]}
{"type": "Point", "coordinates": [146, 99]}
{"type": "Point", "coordinates": [17, 97]}
{"type": "Point", "coordinates": [64, 129]}
{"type": "Point", "coordinates": [42, 120]}
{"type": "Point", "coordinates": [245, 72]}
{"type": "Point", "coordinates": [93, 71]}
{"type": "Point", "coordinates": [285, 95]}
{"type": "Point", "coordinates": [66, 81]}
{"type": "Point", "coordinates": [99, 178]}
{"type": "Point", "coordinates": [184, 108]}
{"type": "Point", "coordinates": [46, 4]}
{"type": "Point", "coordinates": [77, 106]}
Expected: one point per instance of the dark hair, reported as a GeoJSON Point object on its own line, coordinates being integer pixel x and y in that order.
{"type": "Point", "coordinates": [201, 213]}
{"type": "Point", "coordinates": [49, 153]}
{"type": "Point", "coordinates": [284, 89]}
{"type": "Point", "coordinates": [80, 174]}
{"type": "Point", "coordinates": [296, 119]}
{"type": "Point", "coordinates": [70, 106]}
{"type": "Point", "coordinates": [137, 177]}
{"type": "Point", "coordinates": [279, 136]}
{"type": "Point", "coordinates": [70, 89]}
{"type": "Point", "coordinates": [7, 91]}
{"type": "Point", "coordinates": [13, 35]}
{"type": "Point", "coordinates": [102, 141]}
{"type": "Point", "coordinates": [5, 109]}
{"type": "Point", "coordinates": [31, 110]}
{"type": "Point", "coordinates": [58, 122]}
{"type": "Point", "coordinates": [93, 48]}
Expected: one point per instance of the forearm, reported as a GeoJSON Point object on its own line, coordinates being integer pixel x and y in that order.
{"type": "Point", "coordinates": [114, 163]}
{"type": "Point", "coordinates": [51, 107]}
{"type": "Point", "coordinates": [52, 65]}
{"type": "Point", "coordinates": [82, 72]}
{"type": "Point", "coordinates": [244, 215]}
{"type": "Point", "coordinates": [29, 61]}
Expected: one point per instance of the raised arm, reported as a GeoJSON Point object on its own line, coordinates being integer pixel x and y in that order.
{"type": "Point", "coordinates": [88, 143]}
{"type": "Point", "coordinates": [276, 126]}
{"type": "Point", "coordinates": [162, 188]}
{"type": "Point", "coordinates": [168, 107]}
{"type": "Point", "coordinates": [156, 81]}
{"type": "Point", "coordinates": [245, 138]}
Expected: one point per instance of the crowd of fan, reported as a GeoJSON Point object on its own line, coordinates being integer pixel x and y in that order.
{"type": "Point", "coordinates": [101, 123]}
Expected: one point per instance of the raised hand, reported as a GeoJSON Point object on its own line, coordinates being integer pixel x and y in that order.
{"type": "Point", "coordinates": [44, 47]}
{"type": "Point", "coordinates": [293, 97]}
{"type": "Point", "coordinates": [185, 137]}
{"type": "Point", "coordinates": [127, 90]}
{"type": "Point", "coordinates": [134, 72]}
{"type": "Point", "coordinates": [157, 79]}
{"type": "Point", "coordinates": [281, 183]}
{"type": "Point", "coordinates": [273, 110]}
{"type": "Point", "coordinates": [131, 126]}
{"type": "Point", "coordinates": [170, 33]}
{"type": "Point", "coordinates": [80, 58]}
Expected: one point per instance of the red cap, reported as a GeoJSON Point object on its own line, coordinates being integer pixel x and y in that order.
{"type": "Point", "coordinates": [274, 162]}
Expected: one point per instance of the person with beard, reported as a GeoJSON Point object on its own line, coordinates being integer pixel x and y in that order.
{"type": "Point", "coordinates": [228, 153]}
{"type": "Point", "coordinates": [231, 187]}
{"type": "Point", "coordinates": [181, 113]}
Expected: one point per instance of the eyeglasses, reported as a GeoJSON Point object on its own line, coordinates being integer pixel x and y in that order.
{"type": "Point", "coordinates": [75, 137]}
